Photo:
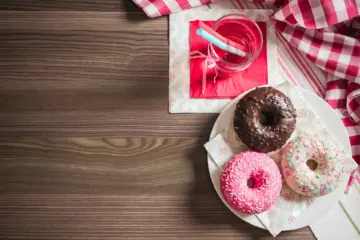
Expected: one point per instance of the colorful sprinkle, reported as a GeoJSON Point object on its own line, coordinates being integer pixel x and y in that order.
{"type": "Point", "coordinates": [299, 177]}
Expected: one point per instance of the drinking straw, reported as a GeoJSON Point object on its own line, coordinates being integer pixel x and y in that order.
{"type": "Point", "coordinates": [350, 182]}
{"type": "Point", "coordinates": [218, 36]}
{"type": "Point", "coordinates": [215, 38]}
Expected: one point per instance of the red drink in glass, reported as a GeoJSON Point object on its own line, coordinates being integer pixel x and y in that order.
{"type": "Point", "coordinates": [243, 31]}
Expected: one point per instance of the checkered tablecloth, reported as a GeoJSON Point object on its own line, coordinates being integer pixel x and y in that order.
{"type": "Point", "coordinates": [326, 32]}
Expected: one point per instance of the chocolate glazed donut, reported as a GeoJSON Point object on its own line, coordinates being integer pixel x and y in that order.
{"type": "Point", "coordinates": [264, 119]}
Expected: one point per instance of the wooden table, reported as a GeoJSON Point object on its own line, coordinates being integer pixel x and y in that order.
{"type": "Point", "coordinates": [88, 149]}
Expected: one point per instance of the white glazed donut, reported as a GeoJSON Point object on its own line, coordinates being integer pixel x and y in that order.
{"type": "Point", "coordinates": [298, 175]}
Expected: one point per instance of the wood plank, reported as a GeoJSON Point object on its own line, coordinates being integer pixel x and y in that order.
{"type": "Point", "coordinates": [114, 188]}
{"type": "Point", "coordinates": [70, 5]}
{"type": "Point", "coordinates": [27, 216]}
{"type": "Point", "coordinates": [47, 51]}
{"type": "Point", "coordinates": [24, 22]}
{"type": "Point", "coordinates": [87, 74]}
{"type": "Point", "coordinates": [126, 166]}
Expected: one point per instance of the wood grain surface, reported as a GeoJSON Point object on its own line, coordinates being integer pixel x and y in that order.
{"type": "Point", "coordinates": [87, 147]}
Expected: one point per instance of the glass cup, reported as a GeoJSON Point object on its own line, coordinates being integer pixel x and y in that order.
{"type": "Point", "coordinates": [246, 33]}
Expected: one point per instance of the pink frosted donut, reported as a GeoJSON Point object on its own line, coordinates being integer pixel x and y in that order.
{"type": "Point", "coordinates": [251, 182]}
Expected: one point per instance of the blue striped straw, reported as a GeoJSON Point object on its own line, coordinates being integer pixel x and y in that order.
{"type": "Point", "coordinates": [217, 42]}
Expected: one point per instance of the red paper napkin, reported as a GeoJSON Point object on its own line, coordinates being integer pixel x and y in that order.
{"type": "Point", "coordinates": [225, 86]}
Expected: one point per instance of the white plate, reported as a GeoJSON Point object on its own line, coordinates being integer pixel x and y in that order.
{"type": "Point", "coordinates": [322, 204]}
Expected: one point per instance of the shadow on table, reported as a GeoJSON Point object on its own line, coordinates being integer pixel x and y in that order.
{"type": "Point", "coordinates": [206, 207]}
{"type": "Point", "coordinates": [133, 12]}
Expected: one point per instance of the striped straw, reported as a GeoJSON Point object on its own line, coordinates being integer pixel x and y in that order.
{"type": "Point", "coordinates": [351, 181]}
{"type": "Point", "coordinates": [217, 35]}
{"type": "Point", "coordinates": [215, 38]}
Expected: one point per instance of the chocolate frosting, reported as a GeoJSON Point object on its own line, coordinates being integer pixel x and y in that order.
{"type": "Point", "coordinates": [264, 119]}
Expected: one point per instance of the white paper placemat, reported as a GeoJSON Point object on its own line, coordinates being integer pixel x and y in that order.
{"type": "Point", "coordinates": [343, 220]}
{"type": "Point", "coordinates": [179, 74]}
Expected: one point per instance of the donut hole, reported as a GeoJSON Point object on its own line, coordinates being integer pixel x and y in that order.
{"type": "Point", "coordinates": [268, 117]}
{"type": "Point", "coordinates": [251, 182]}
{"type": "Point", "coordinates": [312, 164]}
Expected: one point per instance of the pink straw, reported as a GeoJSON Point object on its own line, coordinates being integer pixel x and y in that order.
{"type": "Point", "coordinates": [351, 180]}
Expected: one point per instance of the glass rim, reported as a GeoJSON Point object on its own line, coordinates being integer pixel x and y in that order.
{"type": "Point", "coordinates": [254, 56]}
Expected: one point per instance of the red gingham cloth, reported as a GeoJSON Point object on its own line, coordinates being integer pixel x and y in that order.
{"type": "Point", "coordinates": [327, 32]}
